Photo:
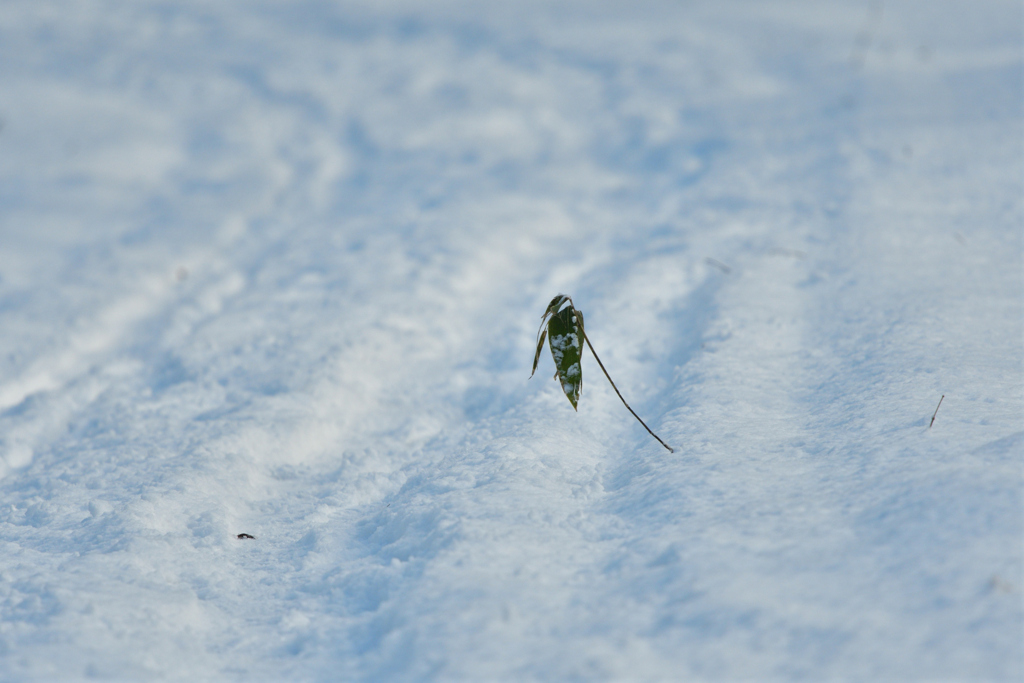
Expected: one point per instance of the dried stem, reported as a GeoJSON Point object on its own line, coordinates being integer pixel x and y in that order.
{"type": "Point", "coordinates": [936, 411]}
{"type": "Point", "coordinates": [596, 357]}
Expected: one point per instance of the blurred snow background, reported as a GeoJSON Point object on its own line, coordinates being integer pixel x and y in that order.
{"type": "Point", "coordinates": [276, 268]}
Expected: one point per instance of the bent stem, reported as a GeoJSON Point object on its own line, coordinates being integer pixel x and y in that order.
{"type": "Point", "coordinates": [598, 359]}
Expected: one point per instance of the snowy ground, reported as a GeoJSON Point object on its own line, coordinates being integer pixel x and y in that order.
{"type": "Point", "coordinates": [276, 268]}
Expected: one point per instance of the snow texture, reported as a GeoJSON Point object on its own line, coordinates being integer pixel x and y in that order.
{"type": "Point", "coordinates": [276, 269]}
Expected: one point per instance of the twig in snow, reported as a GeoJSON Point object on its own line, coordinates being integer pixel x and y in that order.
{"type": "Point", "coordinates": [866, 35]}
{"type": "Point", "coordinates": [1000, 586]}
{"type": "Point", "coordinates": [718, 264]}
{"type": "Point", "coordinates": [936, 411]}
{"type": "Point", "coordinates": [794, 253]}
{"type": "Point", "coordinates": [591, 347]}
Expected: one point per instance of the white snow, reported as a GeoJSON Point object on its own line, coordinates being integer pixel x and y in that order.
{"type": "Point", "coordinates": [275, 268]}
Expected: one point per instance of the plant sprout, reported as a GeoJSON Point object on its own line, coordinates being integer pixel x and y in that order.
{"type": "Point", "coordinates": [565, 335]}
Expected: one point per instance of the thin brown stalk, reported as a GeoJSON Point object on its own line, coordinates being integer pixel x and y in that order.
{"type": "Point", "coordinates": [598, 359]}
{"type": "Point", "coordinates": [936, 411]}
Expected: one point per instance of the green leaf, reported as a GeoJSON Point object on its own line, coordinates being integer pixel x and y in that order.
{"type": "Point", "coordinates": [565, 338]}
{"type": "Point", "coordinates": [552, 308]}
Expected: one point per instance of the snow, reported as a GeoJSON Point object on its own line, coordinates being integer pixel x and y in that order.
{"type": "Point", "coordinates": [276, 269]}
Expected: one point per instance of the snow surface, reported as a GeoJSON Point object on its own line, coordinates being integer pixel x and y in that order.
{"type": "Point", "coordinates": [277, 268]}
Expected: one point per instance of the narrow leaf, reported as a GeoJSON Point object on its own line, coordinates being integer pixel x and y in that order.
{"type": "Point", "coordinates": [552, 308]}
{"type": "Point", "coordinates": [540, 347]}
{"type": "Point", "coordinates": [565, 339]}
{"type": "Point", "coordinates": [555, 304]}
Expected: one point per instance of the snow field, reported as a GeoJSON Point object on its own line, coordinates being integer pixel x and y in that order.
{"type": "Point", "coordinates": [277, 269]}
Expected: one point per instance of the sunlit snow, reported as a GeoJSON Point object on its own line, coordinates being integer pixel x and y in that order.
{"type": "Point", "coordinates": [276, 269]}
